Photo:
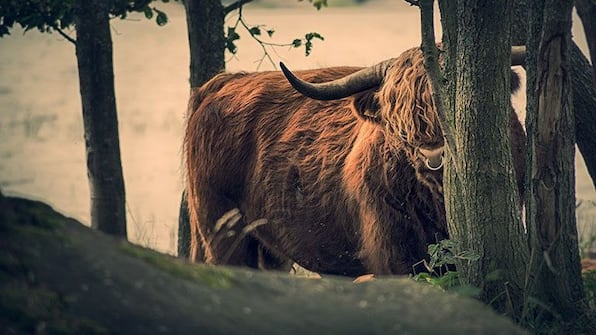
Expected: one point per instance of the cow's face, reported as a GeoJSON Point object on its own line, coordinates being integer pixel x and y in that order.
{"type": "Point", "coordinates": [396, 94]}
{"type": "Point", "coordinates": [407, 112]}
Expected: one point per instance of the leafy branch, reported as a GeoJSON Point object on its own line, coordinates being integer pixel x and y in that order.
{"type": "Point", "coordinates": [256, 32]}
{"type": "Point", "coordinates": [57, 15]}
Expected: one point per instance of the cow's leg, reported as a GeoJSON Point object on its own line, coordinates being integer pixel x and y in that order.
{"type": "Point", "coordinates": [377, 252]}
{"type": "Point", "coordinates": [269, 260]}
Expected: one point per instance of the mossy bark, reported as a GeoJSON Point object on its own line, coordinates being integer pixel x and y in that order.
{"type": "Point", "coordinates": [481, 200]}
{"type": "Point", "coordinates": [550, 206]}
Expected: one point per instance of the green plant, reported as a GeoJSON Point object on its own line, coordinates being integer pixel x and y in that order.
{"type": "Point", "coordinates": [440, 265]}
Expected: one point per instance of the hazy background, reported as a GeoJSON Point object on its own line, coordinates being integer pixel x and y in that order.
{"type": "Point", "coordinates": [42, 154]}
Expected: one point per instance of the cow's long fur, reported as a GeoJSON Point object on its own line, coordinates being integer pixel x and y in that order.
{"type": "Point", "coordinates": [340, 183]}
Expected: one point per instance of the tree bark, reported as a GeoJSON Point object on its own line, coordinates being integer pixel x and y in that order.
{"type": "Point", "coordinates": [183, 228]}
{"type": "Point", "coordinates": [96, 77]}
{"type": "Point", "coordinates": [584, 94]}
{"type": "Point", "coordinates": [555, 270]}
{"type": "Point", "coordinates": [584, 109]}
{"type": "Point", "coordinates": [482, 207]}
{"type": "Point", "coordinates": [586, 9]}
{"type": "Point", "coordinates": [205, 22]}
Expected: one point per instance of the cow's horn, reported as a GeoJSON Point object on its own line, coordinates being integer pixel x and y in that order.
{"type": "Point", "coordinates": [340, 88]}
{"type": "Point", "coordinates": [518, 55]}
{"type": "Point", "coordinates": [362, 80]}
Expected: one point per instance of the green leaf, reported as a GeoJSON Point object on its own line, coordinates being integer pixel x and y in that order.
{"type": "Point", "coordinates": [308, 45]}
{"type": "Point", "coordinates": [148, 12]}
{"type": "Point", "coordinates": [161, 18]}
{"type": "Point", "coordinates": [468, 255]}
{"type": "Point", "coordinates": [231, 37]}
{"type": "Point", "coordinates": [270, 32]}
{"type": "Point", "coordinates": [231, 47]}
{"type": "Point", "coordinates": [317, 3]}
{"type": "Point", "coordinates": [296, 43]}
{"type": "Point", "coordinates": [255, 31]}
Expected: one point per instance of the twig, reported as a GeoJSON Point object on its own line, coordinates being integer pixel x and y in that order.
{"type": "Point", "coordinates": [236, 5]}
{"type": "Point", "coordinates": [431, 65]}
{"type": "Point", "coordinates": [262, 43]}
{"type": "Point", "coordinates": [61, 32]}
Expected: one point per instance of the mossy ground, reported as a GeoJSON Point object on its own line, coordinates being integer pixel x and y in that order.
{"type": "Point", "coordinates": [57, 276]}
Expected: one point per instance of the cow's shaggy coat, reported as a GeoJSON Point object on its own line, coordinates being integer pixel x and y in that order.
{"type": "Point", "coordinates": [342, 184]}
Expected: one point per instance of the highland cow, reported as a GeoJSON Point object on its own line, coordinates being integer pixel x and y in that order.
{"type": "Point", "coordinates": [347, 181]}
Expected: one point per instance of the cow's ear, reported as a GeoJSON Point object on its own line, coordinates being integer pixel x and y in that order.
{"type": "Point", "coordinates": [366, 105]}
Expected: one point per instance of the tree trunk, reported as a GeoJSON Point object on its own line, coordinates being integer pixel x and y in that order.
{"type": "Point", "coordinates": [586, 9]}
{"type": "Point", "coordinates": [584, 109]}
{"type": "Point", "coordinates": [550, 204]}
{"type": "Point", "coordinates": [584, 94]}
{"type": "Point", "coordinates": [183, 228]}
{"type": "Point", "coordinates": [96, 77]}
{"type": "Point", "coordinates": [482, 207]}
{"type": "Point", "coordinates": [205, 21]}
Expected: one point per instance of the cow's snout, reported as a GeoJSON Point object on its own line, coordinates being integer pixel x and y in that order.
{"type": "Point", "coordinates": [432, 158]}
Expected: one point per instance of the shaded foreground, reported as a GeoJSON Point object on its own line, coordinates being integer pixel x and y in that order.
{"type": "Point", "coordinates": [58, 276]}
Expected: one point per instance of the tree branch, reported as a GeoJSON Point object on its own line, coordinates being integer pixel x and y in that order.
{"type": "Point", "coordinates": [236, 5]}
{"type": "Point", "coordinates": [61, 32]}
{"type": "Point", "coordinates": [431, 65]}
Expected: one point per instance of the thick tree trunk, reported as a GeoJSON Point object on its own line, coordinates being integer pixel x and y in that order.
{"type": "Point", "coordinates": [205, 21]}
{"type": "Point", "coordinates": [96, 76]}
{"type": "Point", "coordinates": [482, 207]}
{"type": "Point", "coordinates": [584, 93]}
{"type": "Point", "coordinates": [550, 206]}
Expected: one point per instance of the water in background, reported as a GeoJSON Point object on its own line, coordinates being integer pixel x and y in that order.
{"type": "Point", "coordinates": [42, 154]}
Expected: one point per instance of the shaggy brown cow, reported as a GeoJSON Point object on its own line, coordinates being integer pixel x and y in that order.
{"type": "Point", "coordinates": [346, 186]}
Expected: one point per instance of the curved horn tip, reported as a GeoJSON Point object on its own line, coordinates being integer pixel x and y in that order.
{"type": "Point", "coordinates": [283, 67]}
{"type": "Point", "coordinates": [287, 73]}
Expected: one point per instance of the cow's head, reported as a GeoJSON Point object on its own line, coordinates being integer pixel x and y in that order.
{"type": "Point", "coordinates": [396, 94]}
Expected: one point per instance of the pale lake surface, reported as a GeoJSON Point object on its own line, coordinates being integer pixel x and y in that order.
{"type": "Point", "coordinates": [42, 154]}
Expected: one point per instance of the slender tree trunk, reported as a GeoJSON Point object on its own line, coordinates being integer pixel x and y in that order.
{"type": "Point", "coordinates": [96, 77]}
{"type": "Point", "coordinates": [550, 205]}
{"type": "Point", "coordinates": [586, 9]}
{"type": "Point", "coordinates": [183, 228]}
{"type": "Point", "coordinates": [584, 109]}
{"type": "Point", "coordinates": [205, 22]}
{"type": "Point", "coordinates": [483, 209]}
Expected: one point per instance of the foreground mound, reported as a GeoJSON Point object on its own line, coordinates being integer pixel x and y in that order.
{"type": "Point", "coordinates": [57, 276]}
